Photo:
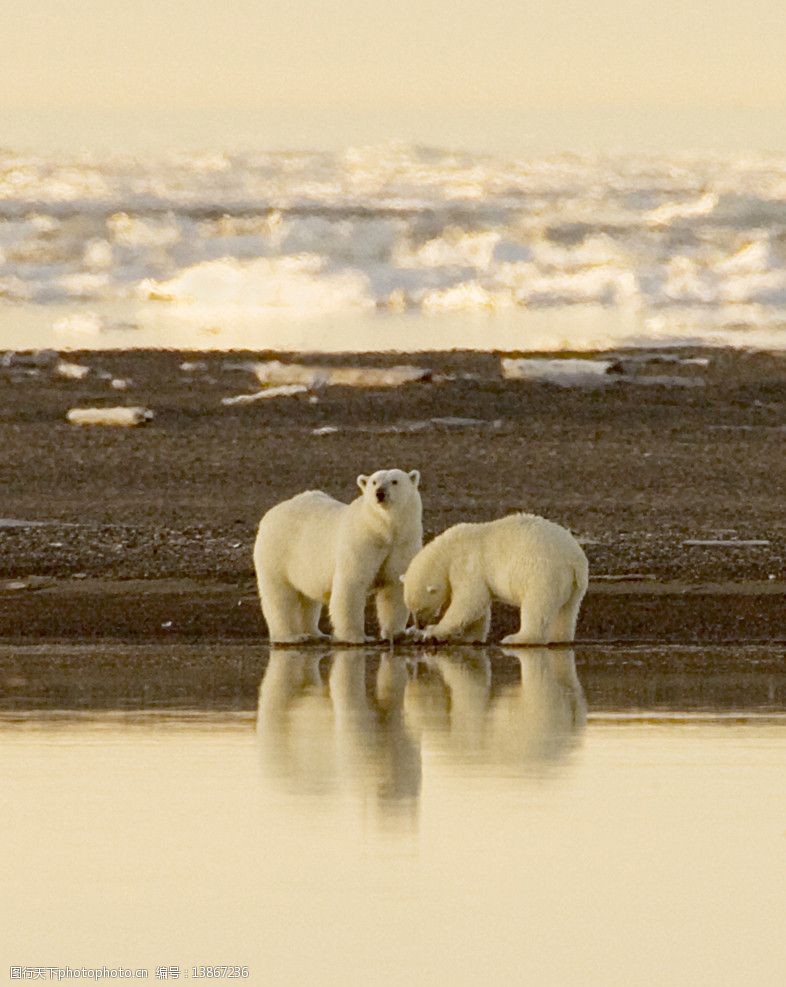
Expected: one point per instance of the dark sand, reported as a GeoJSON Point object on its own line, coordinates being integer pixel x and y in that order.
{"type": "Point", "coordinates": [149, 530]}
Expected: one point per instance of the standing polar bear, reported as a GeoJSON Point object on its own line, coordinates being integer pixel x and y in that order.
{"type": "Point", "coordinates": [313, 550]}
{"type": "Point", "coordinates": [523, 560]}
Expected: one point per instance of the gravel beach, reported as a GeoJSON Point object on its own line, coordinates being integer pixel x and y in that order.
{"type": "Point", "coordinates": [669, 467]}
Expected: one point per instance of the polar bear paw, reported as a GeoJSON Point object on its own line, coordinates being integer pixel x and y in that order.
{"type": "Point", "coordinates": [430, 635]}
{"type": "Point", "coordinates": [520, 640]}
{"type": "Point", "coordinates": [391, 636]}
{"type": "Point", "coordinates": [352, 639]}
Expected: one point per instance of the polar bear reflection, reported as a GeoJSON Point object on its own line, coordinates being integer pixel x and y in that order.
{"type": "Point", "coordinates": [322, 735]}
{"type": "Point", "coordinates": [521, 726]}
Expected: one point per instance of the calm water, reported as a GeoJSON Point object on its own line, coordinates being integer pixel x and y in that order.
{"type": "Point", "coordinates": [346, 817]}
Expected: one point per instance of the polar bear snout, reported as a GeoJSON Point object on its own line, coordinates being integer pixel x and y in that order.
{"type": "Point", "coordinates": [394, 490]}
{"type": "Point", "coordinates": [427, 606]}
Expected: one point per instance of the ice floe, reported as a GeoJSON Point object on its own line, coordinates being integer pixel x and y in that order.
{"type": "Point", "coordinates": [282, 391]}
{"type": "Point", "coordinates": [448, 422]}
{"type": "Point", "coordinates": [113, 417]}
{"type": "Point", "coordinates": [727, 542]}
{"type": "Point", "coordinates": [567, 373]}
{"type": "Point", "coordinates": [691, 244]}
{"type": "Point", "coordinates": [72, 371]}
{"type": "Point", "coordinates": [12, 522]}
{"type": "Point", "coordinates": [293, 285]}
{"type": "Point", "coordinates": [276, 372]}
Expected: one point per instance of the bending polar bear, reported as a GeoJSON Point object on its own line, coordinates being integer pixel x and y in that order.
{"type": "Point", "coordinates": [522, 560]}
{"type": "Point", "coordinates": [313, 550]}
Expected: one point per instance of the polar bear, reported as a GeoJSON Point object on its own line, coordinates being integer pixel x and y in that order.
{"type": "Point", "coordinates": [523, 560]}
{"type": "Point", "coordinates": [313, 550]}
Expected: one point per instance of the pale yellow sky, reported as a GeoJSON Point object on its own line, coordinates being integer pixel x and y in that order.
{"type": "Point", "coordinates": [385, 60]}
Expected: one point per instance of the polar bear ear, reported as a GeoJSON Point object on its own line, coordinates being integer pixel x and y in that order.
{"type": "Point", "coordinates": [362, 481]}
{"type": "Point", "coordinates": [414, 475]}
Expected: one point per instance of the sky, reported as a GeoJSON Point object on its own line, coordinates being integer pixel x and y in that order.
{"type": "Point", "coordinates": [317, 72]}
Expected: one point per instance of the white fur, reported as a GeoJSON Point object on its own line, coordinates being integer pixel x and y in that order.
{"type": "Point", "coordinates": [313, 550]}
{"type": "Point", "coordinates": [522, 560]}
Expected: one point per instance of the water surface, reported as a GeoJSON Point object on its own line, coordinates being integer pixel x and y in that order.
{"type": "Point", "coordinates": [341, 816]}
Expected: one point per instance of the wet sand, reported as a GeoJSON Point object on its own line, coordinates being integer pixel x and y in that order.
{"type": "Point", "coordinates": [147, 677]}
{"type": "Point", "coordinates": [148, 531]}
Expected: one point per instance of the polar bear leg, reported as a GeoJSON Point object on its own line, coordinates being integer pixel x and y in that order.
{"type": "Point", "coordinates": [534, 628]}
{"type": "Point", "coordinates": [348, 610]}
{"type": "Point", "coordinates": [282, 610]}
{"type": "Point", "coordinates": [541, 604]}
{"type": "Point", "coordinates": [311, 611]}
{"type": "Point", "coordinates": [478, 631]}
{"type": "Point", "coordinates": [564, 625]}
{"type": "Point", "coordinates": [392, 612]}
{"type": "Point", "coordinates": [467, 608]}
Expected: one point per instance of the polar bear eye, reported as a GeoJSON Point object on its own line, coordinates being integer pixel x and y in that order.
{"type": "Point", "coordinates": [394, 482]}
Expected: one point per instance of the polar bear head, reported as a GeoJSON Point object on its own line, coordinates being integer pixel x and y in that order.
{"type": "Point", "coordinates": [426, 587]}
{"type": "Point", "coordinates": [392, 492]}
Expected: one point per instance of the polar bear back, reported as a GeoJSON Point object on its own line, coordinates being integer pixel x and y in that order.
{"type": "Point", "coordinates": [298, 541]}
{"type": "Point", "coordinates": [510, 552]}
{"type": "Point", "coordinates": [531, 537]}
{"type": "Point", "coordinates": [515, 550]}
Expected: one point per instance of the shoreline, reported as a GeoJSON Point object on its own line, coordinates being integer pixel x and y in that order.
{"type": "Point", "coordinates": [142, 680]}
{"type": "Point", "coordinates": [172, 610]}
